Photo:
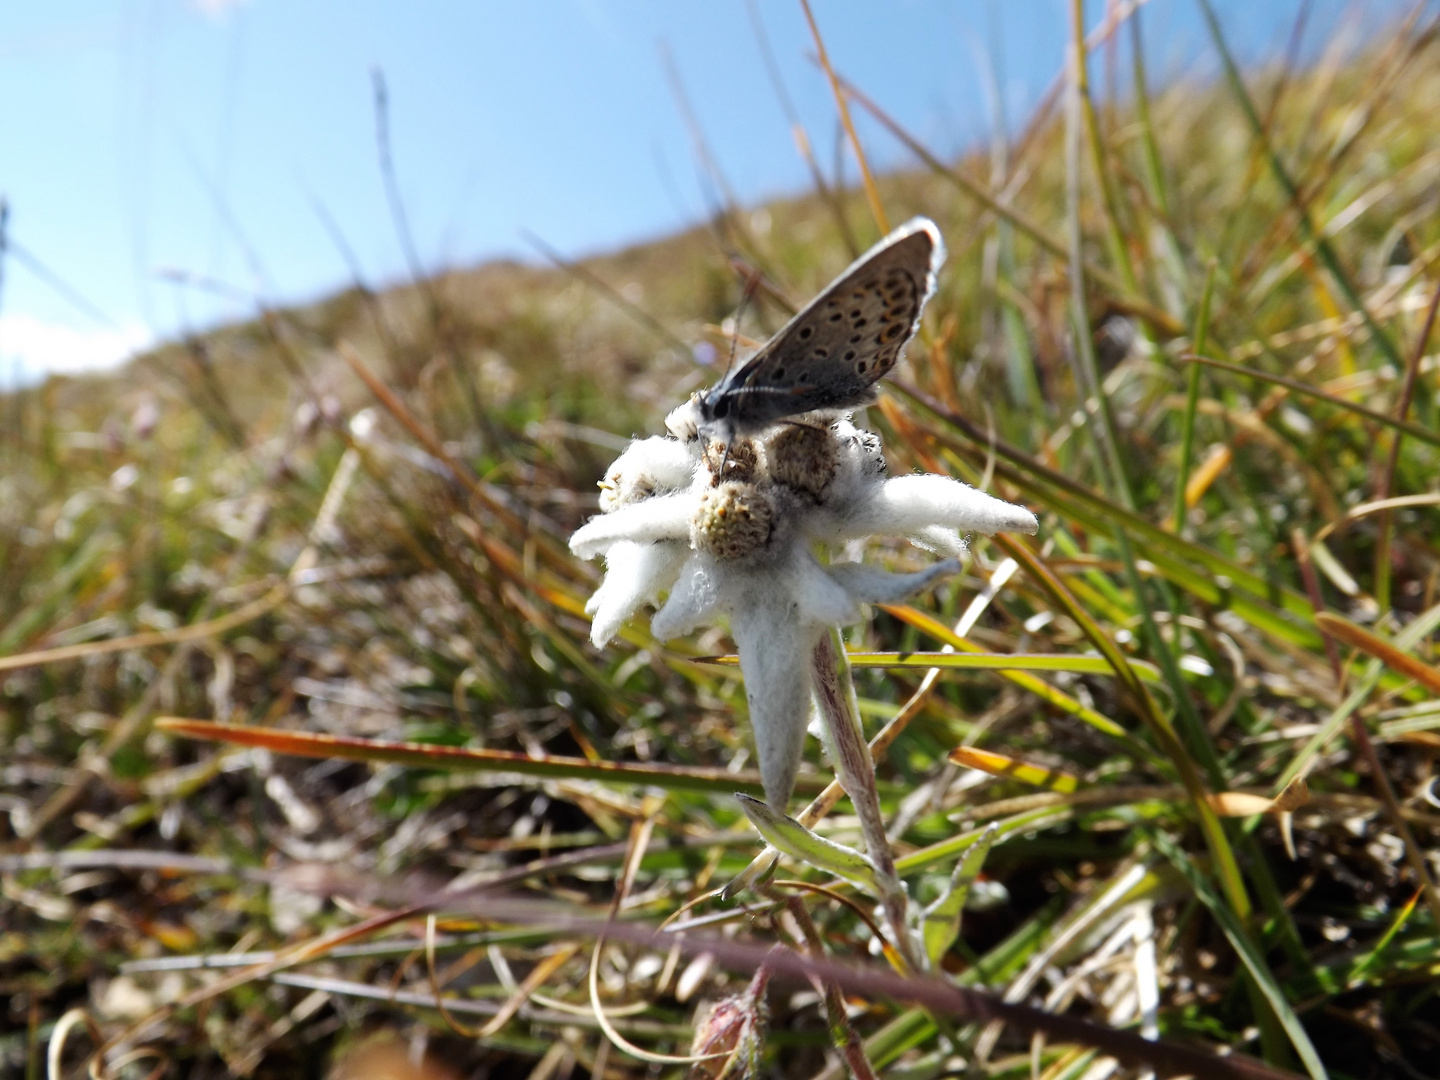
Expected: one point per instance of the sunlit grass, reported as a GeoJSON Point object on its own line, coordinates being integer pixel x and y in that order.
{"type": "Point", "coordinates": [343, 528]}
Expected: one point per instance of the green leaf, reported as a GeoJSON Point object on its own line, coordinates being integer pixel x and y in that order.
{"type": "Point", "coordinates": [786, 834]}
{"type": "Point", "coordinates": [940, 924]}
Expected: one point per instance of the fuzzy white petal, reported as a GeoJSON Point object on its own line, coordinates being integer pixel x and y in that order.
{"type": "Point", "coordinates": [774, 646]}
{"type": "Point", "coordinates": [634, 575]}
{"type": "Point", "coordinates": [859, 471]}
{"type": "Point", "coordinates": [668, 463]}
{"type": "Point", "coordinates": [684, 421]}
{"type": "Point", "coordinates": [939, 539]}
{"type": "Point", "coordinates": [869, 585]}
{"type": "Point", "coordinates": [823, 600]}
{"type": "Point", "coordinates": [664, 517]}
{"type": "Point", "coordinates": [861, 452]}
{"type": "Point", "coordinates": [597, 598]}
{"type": "Point", "coordinates": [905, 505]}
{"type": "Point", "coordinates": [696, 597]}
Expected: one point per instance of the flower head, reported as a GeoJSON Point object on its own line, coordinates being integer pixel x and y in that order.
{"type": "Point", "coordinates": [733, 531]}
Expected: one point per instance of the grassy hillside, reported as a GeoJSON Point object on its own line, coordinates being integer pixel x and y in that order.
{"type": "Point", "coordinates": [351, 520]}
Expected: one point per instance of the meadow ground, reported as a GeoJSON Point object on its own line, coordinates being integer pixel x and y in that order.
{"type": "Point", "coordinates": [351, 520]}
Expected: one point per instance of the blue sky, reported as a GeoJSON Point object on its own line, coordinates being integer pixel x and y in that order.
{"type": "Point", "coordinates": [142, 138]}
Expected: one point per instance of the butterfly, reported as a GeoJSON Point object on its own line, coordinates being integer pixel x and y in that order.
{"type": "Point", "coordinates": [831, 354]}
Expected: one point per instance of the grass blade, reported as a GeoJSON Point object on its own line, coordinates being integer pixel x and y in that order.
{"type": "Point", "coordinates": [425, 756]}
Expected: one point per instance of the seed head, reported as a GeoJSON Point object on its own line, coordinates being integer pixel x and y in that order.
{"type": "Point", "coordinates": [732, 521]}
{"type": "Point", "coordinates": [648, 467]}
{"type": "Point", "coordinates": [803, 458]}
{"type": "Point", "coordinates": [740, 461]}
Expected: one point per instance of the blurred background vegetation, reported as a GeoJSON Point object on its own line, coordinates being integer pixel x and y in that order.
{"type": "Point", "coordinates": [350, 518]}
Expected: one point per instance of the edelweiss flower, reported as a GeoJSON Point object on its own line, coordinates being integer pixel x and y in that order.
{"type": "Point", "coordinates": [742, 545]}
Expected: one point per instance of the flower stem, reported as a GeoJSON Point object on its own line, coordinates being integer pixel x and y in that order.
{"type": "Point", "coordinates": [835, 696]}
{"type": "Point", "coordinates": [842, 1031]}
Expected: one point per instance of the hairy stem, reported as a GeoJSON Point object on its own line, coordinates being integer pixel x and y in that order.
{"type": "Point", "coordinates": [835, 696]}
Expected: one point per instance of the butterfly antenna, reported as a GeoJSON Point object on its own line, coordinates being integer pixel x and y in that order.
{"type": "Point", "coordinates": [752, 283]}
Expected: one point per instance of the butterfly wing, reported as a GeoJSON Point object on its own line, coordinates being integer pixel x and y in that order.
{"type": "Point", "coordinates": [831, 353]}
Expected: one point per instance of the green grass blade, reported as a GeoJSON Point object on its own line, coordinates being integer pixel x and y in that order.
{"type": "Point", "coordinates": [1249, 955]}
{"type": "Point", "coordinates": [1081, 665]}
{"type": "Point", "coordinates": [1415, 431]}
{"type": "Point", "coordinates": [1192, 400]}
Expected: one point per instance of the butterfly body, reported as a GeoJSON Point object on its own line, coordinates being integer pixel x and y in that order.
{"type": "Point", "coordinates": [831, 354]}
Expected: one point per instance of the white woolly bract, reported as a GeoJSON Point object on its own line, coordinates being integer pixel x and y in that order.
{"type": "Point", "coordinates": [940, 540]}
{"type": "Point", "coordinates": [911, 505]}
{"type": "Point", "coordinates": [683, 422]}
{"type": "Point", "coordinates": [870, 585]}
{"type": "Point", "coordinates": [778, 610]}
{"type": "Point", "coordinates": [822, 599]}
{"type": "Point", "coordinates": [774, 644]}
{"type": "Point", "coordinates": [778, 596]}
{"type": "Point", "coordinates": [659, 464]}
{"type": "Point", "coordinates": [664, 517]}
{"type": "Point", "coordinates": [635, 574]}
{"type": "Point", "coordinates": [695, 599]}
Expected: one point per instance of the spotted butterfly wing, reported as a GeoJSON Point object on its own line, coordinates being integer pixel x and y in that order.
{"type": "Point", "coordinates": [844, 341]}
